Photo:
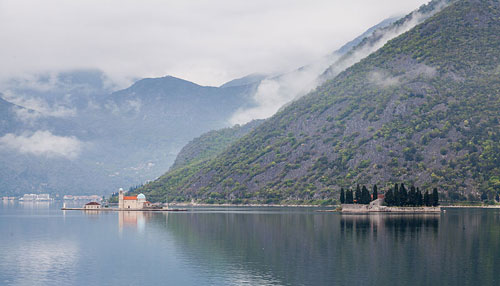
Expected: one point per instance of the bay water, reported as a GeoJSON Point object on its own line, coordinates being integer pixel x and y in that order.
{"type": "Point", "coordinates": [42, 245]}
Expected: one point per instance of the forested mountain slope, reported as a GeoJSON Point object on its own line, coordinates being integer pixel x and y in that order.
{"type": "Point", "coordinates": [212, 143]}
{"type": "Point", "coordinates": [423, 109]}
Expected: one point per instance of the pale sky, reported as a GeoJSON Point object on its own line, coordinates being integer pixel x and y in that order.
{"type": "Point", "coordinates": [205, 41]}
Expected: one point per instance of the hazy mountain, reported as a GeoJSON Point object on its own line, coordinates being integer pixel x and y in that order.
{"type": "Point", "coordinates": [249, 79]}
{"type": "Point", "coordinates": [422, 109]}
{"type": "Point", "coordinates": [70, 133]}
{"type": "Point", "coordinates": [75, 138]}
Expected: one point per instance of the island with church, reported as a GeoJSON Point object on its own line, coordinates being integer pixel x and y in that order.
{"type": "Point", "coordinates": [126, 203]}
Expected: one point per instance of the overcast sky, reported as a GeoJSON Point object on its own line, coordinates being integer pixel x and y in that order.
{"type": "Point", "coordinates": [205, 41]}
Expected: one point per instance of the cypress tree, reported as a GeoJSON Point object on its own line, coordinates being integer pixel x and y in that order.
{"type": "Point", "coordinates": [497, 198]}
{"type": "Point", "coordinates": [435, 197]}
{"type": "Point", "coordinates": [395, 194]}
{"type": "Point", "coordinates": [357, 195]}
{"type": "Point", "coordinates": [412, 196]}
{"type": "Point", "coordinates": [375, 192]}
{"type": "Point", "coordinates": [427, 199]}
{"type": "Point", "coordinates": [403, 195]}
{"type": "Point", "coordinates": [342, 196]}
{"type": "Point", "coordinates": [389, 198]}
{"type": "Point", "coordinates": [348, 199]}
{"type": "Point", "coordinates": [420, 200]}
{"type": "Point", "coordinates": [365, 196]}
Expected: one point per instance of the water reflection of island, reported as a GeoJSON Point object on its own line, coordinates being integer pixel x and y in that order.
{"type": "Point", "coordinates": [135, 219]}
{"type": "Point", "coordinates": [396, 224]}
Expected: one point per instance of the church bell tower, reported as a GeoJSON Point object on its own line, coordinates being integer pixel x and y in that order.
{"type": "Point", "coordinates": [120, 199]}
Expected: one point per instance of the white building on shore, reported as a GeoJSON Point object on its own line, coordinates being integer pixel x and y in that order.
{"type": "Point", "coordinates": [36, 197]}
{"type": "Point", "coordinates": [92, 206]}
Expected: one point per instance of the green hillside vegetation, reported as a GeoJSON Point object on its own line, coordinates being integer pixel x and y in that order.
{"type": "Point", "coordinates": [423, 109]}
{"type": "Point", "coordinates": [211, 144]}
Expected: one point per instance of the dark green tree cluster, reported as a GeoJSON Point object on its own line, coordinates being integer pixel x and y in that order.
{"type": "Point", "coordinates": [400, 196]}
{"type": "Point", "coordinates": [346, 197]}
{"type": "Point", "coordinates": [360, 196]}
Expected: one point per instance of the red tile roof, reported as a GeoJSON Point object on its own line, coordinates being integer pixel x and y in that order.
{"type": "Point", "coordinates": [93, 204]}
{"type": "Point", "coordinates": [132, 198]}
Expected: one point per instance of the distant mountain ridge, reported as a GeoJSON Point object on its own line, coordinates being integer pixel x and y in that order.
{"type": "Point", "coordinates": [124, 138]}
{"type": "Point", "coordinates": [116, 139]}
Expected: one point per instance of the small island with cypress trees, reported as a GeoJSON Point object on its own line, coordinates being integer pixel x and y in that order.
{"type": "Point", "coordinates": [396, 199]}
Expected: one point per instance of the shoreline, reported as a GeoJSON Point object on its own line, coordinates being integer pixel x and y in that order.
{"type": "Point", "coordinates": [248, 205]}
{"type": "Point", "coordinates": [123, 210]}
{"type": "Point", "coordinates": [378, 208]}
{"type": "Point", "coordinates": [355, 208]}
{"type": "Point", "coordinates": [471, 207]}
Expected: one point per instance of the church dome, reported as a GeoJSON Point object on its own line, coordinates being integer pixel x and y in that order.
{"type": "Point", "coordinates": [141, 197]}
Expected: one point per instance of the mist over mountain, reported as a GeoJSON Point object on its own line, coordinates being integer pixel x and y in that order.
{"type": "Point", "coordinates": [73, 132]}
{"type": "Point", "coordinates": [422, 109]}
{"type": "Point", "coordinates": [276, 91]}
{"type": "Point", "coordinates": [67, 133]}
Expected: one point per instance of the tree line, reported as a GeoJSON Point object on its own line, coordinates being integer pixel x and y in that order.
{"type": "Point", "coordinates": [398, 196]}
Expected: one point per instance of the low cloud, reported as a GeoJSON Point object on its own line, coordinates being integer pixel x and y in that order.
{"type": "Point", "coordinates": [383, 79]}
{"type": "Point", "coordinates": [38, 107]}
{"type": "Point", "coordinates": [215, 41]}
{"type": "Point", "coordinates": [43, 143]}
{"type": "Point", "coordinates": [422, 70]}
{"type": "Point", "coordinates": [26, 115]}
{"type": "Point", "coordinates": [380, 37]}
{"type": "Point", "coordinates": [273, 93]}
{"type": "Point", "coordinates": [40, 82]}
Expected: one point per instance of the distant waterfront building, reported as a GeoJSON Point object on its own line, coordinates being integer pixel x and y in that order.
{"type": "Point", "coordinates": [83, 198]}
{"type": "Point", "coordinates": [92, 206]}
{"type": "Point", "coordinates": [132, 202]}
{"type": "Point", "coordinates": [43, 197]}
{"type": "Point", "coordinates": [35, 197]}
{"type": "Point", "coordinates": [28, 197]}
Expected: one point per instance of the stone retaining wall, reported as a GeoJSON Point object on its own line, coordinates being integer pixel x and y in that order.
{"type": "Point", "coordinates": [356, 208]}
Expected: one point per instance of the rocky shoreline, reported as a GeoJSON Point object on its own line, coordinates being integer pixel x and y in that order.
{"type": "Point", "coordinates": [356, 208]}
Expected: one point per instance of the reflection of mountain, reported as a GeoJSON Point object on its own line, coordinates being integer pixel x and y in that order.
{"type": "Point", "coordinates": [324, 249]}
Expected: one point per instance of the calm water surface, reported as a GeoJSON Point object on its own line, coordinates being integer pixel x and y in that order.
{"type": "Point", "coordinates": [41, 245]}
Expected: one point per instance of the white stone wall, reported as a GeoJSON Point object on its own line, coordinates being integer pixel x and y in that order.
{"type": "Point", "coordinates": [358, 208]}
{"type": "Point", "coordinates": [132, 204]}
{"type": "Point", "coordinates": [92, 206]}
